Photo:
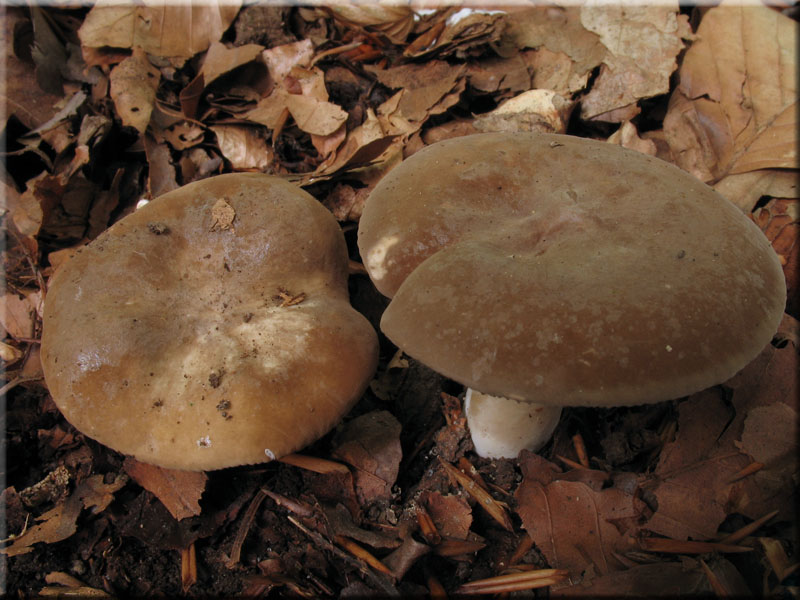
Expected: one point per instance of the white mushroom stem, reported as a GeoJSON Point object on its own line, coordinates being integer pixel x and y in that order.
{"type": "Point", "coordinates": [501, 427]}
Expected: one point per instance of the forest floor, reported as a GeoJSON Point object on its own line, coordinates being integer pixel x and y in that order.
{"type": "Point", "coordinates": [107, 106]}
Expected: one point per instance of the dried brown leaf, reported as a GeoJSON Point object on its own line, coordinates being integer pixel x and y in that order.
{"type": "Point", "coordinates": [221, 60]}
{"type": "Point", "coordinates": [779, 219]}
{"type": "Point", "coordinates": [20, 94]}
{"type": "Point", "coordinates": [60, 522]}
{"type": "Point", "coordinates": [280, 60]}
{"type": "Point", "coordinates": [735, 108]}
{"type": "Point", "coordinates": [694, 466]}
{"type": "Point", "coordinates": [244, 146]}
{"type": "Point", "coordinates": [17, 314]}
{"type": "Point", "coordinates": [315, 116]}
{"type": "Point", "coordinates": [746, 189]}
{"type": "Point", "coordinates": [643, 43]}
{"type": "Point", "coordinates": [495, 74]}
{"type": "Point", "coordinates": [393, 21]}
{"type": "Point", "coordinates": [495, 509]}
{"type": "Point", "coordinates": [559, 30]}
{"type": "Point", "coordinates": [574, 525]}
{"type": "Point", "coordinates": [152, 26]}
{"type": "Point", "coordinates": [535, 110]}
{"type": "Point", "coordinates": [178, 491]}
{"type": "Point", "coordinates": [161, 177]}
{"type": "Point", "coordinates": [451, 514]}
{"type": "Point", "coordinates": [371, 444]}
{"type": "Point", "coordinates": [628, 137]}
{"type": "Point", "coordinates": [133, 88]}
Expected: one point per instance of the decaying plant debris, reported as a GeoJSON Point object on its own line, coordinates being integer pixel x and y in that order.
{"type": "Point", "coordinates": [111, 105]}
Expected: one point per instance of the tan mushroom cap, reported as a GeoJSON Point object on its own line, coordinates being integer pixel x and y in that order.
{"type": "Point", "coordinates": [166, 338]}
{"type": "Point", "coordinates": [567, 271]}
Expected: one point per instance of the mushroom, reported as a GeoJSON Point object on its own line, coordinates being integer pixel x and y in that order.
{"type": "Point", "coordinates": [210, 328]}
{"type": "Point", "coordinates": [559, 271]}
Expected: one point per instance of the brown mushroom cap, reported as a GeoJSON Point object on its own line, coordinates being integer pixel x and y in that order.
{"type": "Point", "coordinates": [167, 338]}
{"type": "Point", "coordinates": [567, 271]}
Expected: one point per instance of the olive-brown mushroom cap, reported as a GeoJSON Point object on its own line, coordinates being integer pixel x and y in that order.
{"type": "Point", "coordinates": [167, 337]}
{"type": "Point", "coordinates": [567, 271]}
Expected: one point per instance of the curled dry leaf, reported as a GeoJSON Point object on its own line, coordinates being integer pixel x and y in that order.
{"type": "Point", "coordinates": [643, 43]}
{"type": "Point", "coordinates": [628, 137]}
{"type": "Point", "coordinates": [371, 443]}
{"type": "Point", "coordinates": [221, 60]}
{"type": "Point", "coordinates": [245, 147]}
{"type": "Point", "coordinates": [735, 108]}
{"type": "Point", "coordinates": [151, 26]}
{"type": "Point", "coordinates": [393, 21]}
{"type": "Point", "coordinates": [60, 522]}
{"type": "Point", "coordinates": [746, 189]}
{"type": "Point", "coordinates": [133, 88]}
{"type": "Point", "coordinates": [179, 491]}
{"type": "Point", "coordinates": [534, 110]}
{"type": "Point", "coordinates": [559, 31]}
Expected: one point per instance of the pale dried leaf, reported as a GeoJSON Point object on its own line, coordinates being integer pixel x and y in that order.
{"type": "Point", "coordinates": [535, 110]}
{"type": "Point", "coordinates": [220, 59]}
{"type": "Point", "coordinates": [133, 88]}
{"type": "Point", "coordinates": [282, 59]}
{"type": "Point", "coordinates": [735, 107]}
{"type": "Point", "coordinates": [17, 315]}
{"type": "Point", "coordinates": [394, 21]}
{"type": "Point", "coordinates": [269, 111]}
{"type": "Point", "coordinates": [746, 189]}
{"type": "Point", "coordinates": [315, 116]}
{"type": "Point", "coordinates": [245, 147]}
{"type": "Point", "coordinates": [151, 26]}
{"type": "Point", "coordinates": [643, 43]}
{"type": "Point", "coordinates": [628, 137]}
{"type": "Point", "coordinates": [556, 71]}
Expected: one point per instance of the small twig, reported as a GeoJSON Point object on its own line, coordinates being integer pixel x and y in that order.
{"type": "Point", "coordinates": [719, 589]}
{"type": "Point", "coordinates": [654, 544]}
{"type": "Point", "coordinates": [381, 582]}
{"type": "Point", "coordinates": [580, 450]}
{"type": "Point", "coordinates": [513, 582]}
{"type": "Point", "coordinates": [427, 527]}
{"type": "Point", "coordinates": [244, 527]}
{"type": "Point", "coordinates": [753, 467]}
{"type": "Point", "coordinates": [315, 464]}
{"type": "Point", "coordinates": [337, 50]}
{"type": "Point", "coordinates": [188, 568]}
{"type": "Point", "coordinates": [742, 533]}
{"type": "Point", "coordinates": [435, 589]}
{"type": "Point", "coordinates": [525, 544]}
{"type": "Point", "coordinates": [17, 381]}
{"type": "Point", "coordinates": [569, 462]}
{"type": "Point", "coordinates": [449, 548]}
{"type": "Point", "coordinates": [359, 552]}
{"type": "Point", "coordinates": [298, 508]}
{"type": "Point", "coordinates": [487, 503]}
